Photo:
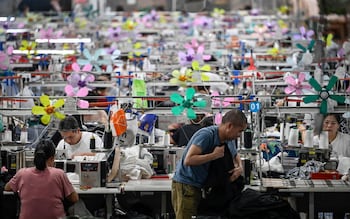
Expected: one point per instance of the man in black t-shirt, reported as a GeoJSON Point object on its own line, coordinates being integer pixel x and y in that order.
{"type": "Point", "coordinates": [39, 6]}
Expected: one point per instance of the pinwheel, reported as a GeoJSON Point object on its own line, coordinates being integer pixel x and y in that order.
{"type": "Point", "coordinates": [4, 61]}
{"type": "Point", "coordinates": [181, 77]}
{"type": "Point", "coordinates": [283, 27]}
{"type": "Point", "coordinates": [149, 19]}
{"type": "Point", "coordinates": [89, 11]}
{"type": "Point", "coordinates": [47, 110]}
{"type": "Point", "coordinates": [328, 39]}
{"type": "Point", "coordinates": [94, 59]}
{"type": "Point", "coordinates": [307, 57]}
{"type": "Point", "coordinates": [218, 12]}
{"type": "Point", "coordinates": [129, 25]}
{"type": "Point", "coordinates": [114, 34]}
{"type": "Point", "coordinates": [217, 101]}
{"type": "Point", "coordinates": [78, 84]}
{"type": "Point", "coordinates": [80, 22]}
{"type": "Point", "coordinates": [324, 93]}
{"type": "Point", "coordinates": [284, 9]}
{"type": "Point", "coordinates": [136, 56]}
{"type": "Point", "coordinates": [304, 34]}
{"type": "Point", "coordinates": [49, 33]}
{"type": "Point", "coordinates": [29, 47]}
{"type": "Point", "coordinates": [186, 102]}
{"type": "Point", "coordinates": [198, 74]}
{"type": "Point", "coordinates": [296, 85]}
{"type": "Point", "coordinates": [203, 22]}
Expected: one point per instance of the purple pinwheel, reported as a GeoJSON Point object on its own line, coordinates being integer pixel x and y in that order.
{"type": "Point", "coordinates": [78, 81]}
{"type": "Point", "coordinates": [186, 58]}
{"type": "Point", "coordinates": [271, 26]}
{"type": "Point", "coordinates": [114, 34]}
{"type": "Point", "coordinates": [304, 34]}
{"type": "Point", "coordinates": [203, 22]}
{"type": "Point", "coordinates": [149, 19]}
{"type": "Point", "coordinates": [295, 85]}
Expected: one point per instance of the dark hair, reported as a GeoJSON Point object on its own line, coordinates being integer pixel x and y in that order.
{"type": "Point", "coordinates": [336, 116]}
{"type": "Point", "coordinates": [43, 151]}
{"type": "Point", "coordinates": [68, 124]}
{"type": "Point", "coordinates": [235, 117]}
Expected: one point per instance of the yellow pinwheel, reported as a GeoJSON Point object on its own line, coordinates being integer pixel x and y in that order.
{"type": "Point", "coordinates": [129, 25]}
{"type": "Point", "coordinates": [328, 39]}
{"type": "Point", "coordinates": [284, 9]}
{"type": "Point", "coordinates": [47, 109]}
{"type": "Point", "coordinates": [181, 77]}
{"type": "Point", "coordinates": [29, 47]}
{"type": "Point", "coordinates": [199, 72]}
{"type": "Point", "coordinates": [217, 12]}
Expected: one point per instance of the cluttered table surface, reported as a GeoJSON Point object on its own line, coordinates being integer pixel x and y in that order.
{"type": "Point", "coordinates": [315, 185]}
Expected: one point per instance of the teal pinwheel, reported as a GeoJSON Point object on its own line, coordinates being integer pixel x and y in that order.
{"type": "Point", "coordinates": [309, 47]}
{"type": "Point", "coordinates": [324, 93]}
{"type": "Point", "coordinates": [186, 102]}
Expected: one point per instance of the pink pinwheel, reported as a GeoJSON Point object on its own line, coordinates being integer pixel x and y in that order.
{"type": "Point", "coordinates": [295, 85]}
{"type": "Point", "coordinates": [80, 1]}
{"type": "Point", "coordinates": [4, 61]}
{"type": "Point", "coordinates": [49, 33]}
{"type": "Point", "coordinates": [304, 34]}
{"type": "Point", "coordinates": [13, 58]}
{"type": "Point", "coordinates": [78, 83]}
{"type": "Point", "coordinates": [200, 49]}
{"type": "Point", "coordinates": [221, 102]}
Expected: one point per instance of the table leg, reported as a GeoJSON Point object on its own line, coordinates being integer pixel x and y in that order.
{"type": "Point", "coordinates": [109, 208]}
{"type": "Point", "coordinates": [311, 205]}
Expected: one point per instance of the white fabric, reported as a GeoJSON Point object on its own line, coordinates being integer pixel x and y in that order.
{"type": "Point", "coordinates": [135, 163]}
{"type": "Point", "coordinates": [83, 146]}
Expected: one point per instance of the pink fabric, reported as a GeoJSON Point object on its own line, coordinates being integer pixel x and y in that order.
{"type": "Point", "coordinates": [41, 192]}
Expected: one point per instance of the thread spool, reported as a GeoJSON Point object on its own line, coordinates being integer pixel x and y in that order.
{"type": "Point", "coordinates": [293, 137]}
{"type": "Point", "coordinates": [8, 136]}
{"type": "Point", "coordinates": [166, 139]}
{"type": "Point", "coordinates": [24, 137]}
{"type": "Point", "coordinates": [309, 139]}
{"type": "Point", "coordinates": [324, 143]}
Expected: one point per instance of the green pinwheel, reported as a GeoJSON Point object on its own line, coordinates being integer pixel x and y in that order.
{"type": "Point", "coordinates": [186, 102]}
{"type": "Point", "coordinates": [324, 93]}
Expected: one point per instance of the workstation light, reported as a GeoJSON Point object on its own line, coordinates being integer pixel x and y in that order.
{"type": "Point", "coordinates": [64, 40]}
{"type": "Point", "coordinates": [45, 51]}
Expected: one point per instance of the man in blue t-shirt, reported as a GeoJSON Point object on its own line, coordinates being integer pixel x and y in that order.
{"type": "Point", "coordinates": [205, 146]}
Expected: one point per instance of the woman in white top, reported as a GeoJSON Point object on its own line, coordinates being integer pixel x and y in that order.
{"type": "Point", "coordinates": [338, 141]}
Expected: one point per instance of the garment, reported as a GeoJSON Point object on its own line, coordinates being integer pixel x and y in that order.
{"type": "Point", "coordinates": [83, 146]}
{"type": "Point", "coordinates": [35, 5]}
{"type": "Point", "coordinates": [340, 145]}
{"type": "Point", "coordinates": [41, 192]}
{"type": "Point", "coordinates": [188, 180]}
{"type": "Point", "coordinates": [183, 134]}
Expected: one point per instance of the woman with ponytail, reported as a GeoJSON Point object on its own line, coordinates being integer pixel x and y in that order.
{"type": "Point", "coordinates": [42, 189]}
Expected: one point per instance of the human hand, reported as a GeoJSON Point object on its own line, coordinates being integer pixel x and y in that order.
{"type": "Point", "coordinates": [235, 173]}
{"type": "Point", "coordinates": [218, 152]}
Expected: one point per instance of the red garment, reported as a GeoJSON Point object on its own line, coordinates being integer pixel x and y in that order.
{"type": "Point", "coordinates": [41, 192]}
